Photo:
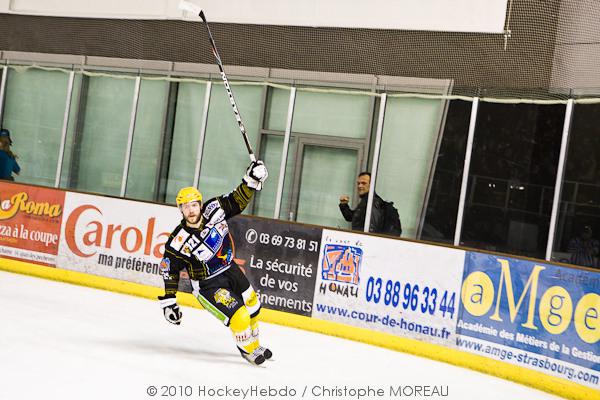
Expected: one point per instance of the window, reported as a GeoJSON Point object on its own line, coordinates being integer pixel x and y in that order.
{"type": "Point", "coordinates": [442, 205]}
{"type": "Point", "coordinates": [580, 196]}
{"type": "Point", "coordinates": [189, 103]}
{"type": "Point", "coordinates": [408, 146]}
{"type": "Point", "coordinates": [329, 139]}
{"type": "Point", "coordinates": [100, 136]}
{"type": "Point", "coordinates": [225, 157]}
{"type": "Point", "coordinates": [512, 177]}
{"type": "Point", "coordinates": [146, 147]}
{"type": "Point", "coordinates": [33, 112]}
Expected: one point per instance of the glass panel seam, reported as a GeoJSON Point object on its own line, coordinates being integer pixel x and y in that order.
{"type": "Point", "coordinates": [284, 153]}
{"type": "Point", "coordinates": [376, 152]}
{"type": "Point", "coordinates": [65, 127]}
{"type": "Point", "coordinates": [2, 91]}
{"type": "Point", "coordinates": [136, 96]}
{"type": "Point", "coordinates": [559, 178]}
{"type": "Point", "coordinates": [466, 167]}
{"type": "Point", "coordinates": [200, 149]}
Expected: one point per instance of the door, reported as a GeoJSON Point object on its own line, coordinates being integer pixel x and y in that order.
{"type": "Point", "coordinates": [324, 170]}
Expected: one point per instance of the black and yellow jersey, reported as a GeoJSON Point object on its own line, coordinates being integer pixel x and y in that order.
{"type": "Point", "coordinates": [208, 250]}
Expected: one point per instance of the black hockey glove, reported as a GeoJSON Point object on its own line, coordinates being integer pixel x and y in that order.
{"type": "Point", "coordinates": [256, 175]}
{"type": "Point", "coordinates": [171, 310]}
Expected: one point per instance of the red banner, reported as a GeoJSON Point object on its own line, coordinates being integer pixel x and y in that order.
{"type": "Point", "coordinates": [30, 221]}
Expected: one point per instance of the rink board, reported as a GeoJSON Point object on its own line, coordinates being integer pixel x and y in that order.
{"type": "Point", "coordinates": [379, 279]}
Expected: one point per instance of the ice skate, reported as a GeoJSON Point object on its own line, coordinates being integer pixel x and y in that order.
{"type": "Point", "coordinates": [255, 357]}
{"type": "Point", "coordinates": [267, 354]}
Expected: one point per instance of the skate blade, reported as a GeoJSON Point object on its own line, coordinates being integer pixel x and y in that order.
{"type": "Point", "coordinates": [257, 362]}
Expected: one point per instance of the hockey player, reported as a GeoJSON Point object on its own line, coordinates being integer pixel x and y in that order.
{"type": "Point", "coordinates": [203, 246]}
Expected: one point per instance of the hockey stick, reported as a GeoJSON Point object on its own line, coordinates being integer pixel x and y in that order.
{"type": "Point", "coordinates": [193, 8]}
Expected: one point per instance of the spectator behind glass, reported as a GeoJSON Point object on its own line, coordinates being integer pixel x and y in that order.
{"type": "Point", "coordinates": [357, 216]}
{"type": "Point", "coordinates": [8, 160]}
{"type": "Point", "coordinates": [584, 249]}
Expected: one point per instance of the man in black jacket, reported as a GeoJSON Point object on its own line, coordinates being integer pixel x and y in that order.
{"type": "Point", "coordinates": [357, 216]}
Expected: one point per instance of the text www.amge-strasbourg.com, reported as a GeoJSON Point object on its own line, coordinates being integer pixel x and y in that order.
{"type": "Point", "coordinates": [526, 359]}
{"type": "Point", "coordinates": [386, 320]}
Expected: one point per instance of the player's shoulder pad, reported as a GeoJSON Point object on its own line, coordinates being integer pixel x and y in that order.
{"type": "Point", "coordinates": [210, 207]}
{"type": "Point", "coordinates": [214, 212]}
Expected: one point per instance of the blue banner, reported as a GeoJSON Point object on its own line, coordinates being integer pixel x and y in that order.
{"type": "Point", "coordinates": [540, 308]}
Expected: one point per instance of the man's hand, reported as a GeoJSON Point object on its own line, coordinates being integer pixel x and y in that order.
{"type": "Point", "coordinates": [344, 199]}
{"type": "Point", "coordinates": [256, 175]}
{"type": "Point", "coordinates": [171, 310]}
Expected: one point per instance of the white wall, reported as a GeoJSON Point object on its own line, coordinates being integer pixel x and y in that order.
{"type": "Point", "coordinates": [435, 15]}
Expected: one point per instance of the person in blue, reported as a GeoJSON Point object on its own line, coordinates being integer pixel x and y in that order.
{"type": "Point", "coordinates": [8, 159]}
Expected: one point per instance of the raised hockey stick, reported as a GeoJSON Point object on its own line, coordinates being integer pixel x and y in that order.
{"type": "Point", "coordinates": [191, 7]}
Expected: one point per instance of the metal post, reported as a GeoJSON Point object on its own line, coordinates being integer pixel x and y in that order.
{"type": "Point", "coordinates": [65, 126]}
{"type": "Point", "coordinates": [466, 167]}
{"type": "Point", "coordinates": [376, 150]}
{"type": "Point", "coordinates": [284, 153]}
{"type": "Point", "coordinates": [200, 149]}
{"type": "Point", "coordinates": [559, 178]}
{"type": "Point", "coordinates": [136, 96]}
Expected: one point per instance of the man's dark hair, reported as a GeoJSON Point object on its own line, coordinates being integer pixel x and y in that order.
{"type": "Point", "coordinates": [365, 173]}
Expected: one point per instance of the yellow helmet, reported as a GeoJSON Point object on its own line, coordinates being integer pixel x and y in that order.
{"type": "Point", "coordinates": [188, 194]}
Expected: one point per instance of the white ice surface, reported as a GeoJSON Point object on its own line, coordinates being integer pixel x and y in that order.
{"type": "Point", "coordinates": [61, 341]}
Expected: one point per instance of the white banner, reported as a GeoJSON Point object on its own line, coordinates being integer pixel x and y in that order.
{"type": "Point", "coordinates": [115, 238]}
{"type": "Point", "coordinates": [403, 288]}
{"type": "Point", "coordinates": [486, 16]}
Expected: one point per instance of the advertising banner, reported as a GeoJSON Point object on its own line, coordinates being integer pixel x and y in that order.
{"type": "Point", "coordinates": [403, 288]}
{"type": "Point", "coordinates": [115, 238]}
{"type": "Point", "coordinates": [280, 260]}
{"type": "Point", "coordinates": [30, 219]}
{"type": "Point", "coordinates": [535, 315]}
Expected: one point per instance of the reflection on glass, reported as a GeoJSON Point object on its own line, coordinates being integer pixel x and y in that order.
{"type": "Point", "coordinates": [408, 147]}
{"type": "Point", "coordinates": [103, 120]}
{"type": "Point", "coordinates": [225, 157]}
{"type": "Point", "coordinates": [145, 151]}
{"type": "Point", "coordinates": [320, 190]}
{"type": "Point", "coordinates": [442, 207]}
{"type": "Point", "coordinates": [66, 170]}
{"type": "Point", "coordinates": [276, 109]}
{"type": "Point", "coordinates": [332, 114]}
{"type": "Point", "coordinates": [33, 113]}
{"type": "Point", "coordinates": [513, 172]}
{"type": "Point", "coordinates": [186, 134]}
{"type": "Point", "coordinates": [578, 227]}
{"type": "Point", "coordinates": [264, 204]}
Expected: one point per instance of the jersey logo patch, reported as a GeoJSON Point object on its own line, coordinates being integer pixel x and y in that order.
{"type": "Point", "coordinates": [179, 240]}
{"type": "Point", "coordinates": [223, 228]}
{"type": "Point", "coordinates": [225, 258]}
{"type": "Point", "coordinates": [203, 253]}
{"type": "Point", "coordinates": [214, 240]}
{"type": "Point", "coordinates": [165, 267]}
{"type": "Point", "coordinates": [186, 250]}
{"type": "Point", "coordinates": [223, 296]}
